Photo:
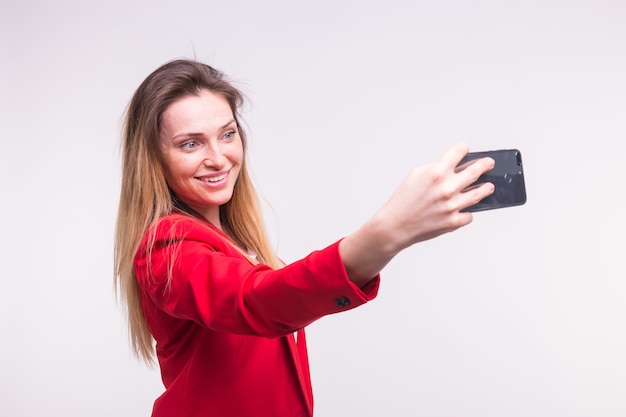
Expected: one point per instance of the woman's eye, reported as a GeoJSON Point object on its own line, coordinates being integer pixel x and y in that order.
{"type": "Point", "coordinates": [230, 135]}
{"type": "Point", "coordinates": [192, 144]}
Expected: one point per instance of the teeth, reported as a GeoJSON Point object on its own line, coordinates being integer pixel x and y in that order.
{"type": "Point", "coordinates": [214, 179]}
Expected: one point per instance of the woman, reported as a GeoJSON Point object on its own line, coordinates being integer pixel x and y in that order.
{"type": "Point", "coordinates": [197, 272]}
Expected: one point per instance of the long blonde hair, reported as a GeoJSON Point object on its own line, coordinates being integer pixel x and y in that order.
{"type": "Point", "coordinates": [145, 196]}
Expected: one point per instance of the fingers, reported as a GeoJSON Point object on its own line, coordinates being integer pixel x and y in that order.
{"type": "Point", "coordinates": [476, 194]}
{"type": "Point", "coordinates": [430, 200]}
{"type": "Point", "coordinates": [474, 169]}
{"type": "Point", "coordinates": [464, 176]}
{"type": "Point", "coordinates": [466, 173]}
{"type": "Point", "coordinates": [454, 155]}
{"type": "Point", "coordinates": [464, 165]}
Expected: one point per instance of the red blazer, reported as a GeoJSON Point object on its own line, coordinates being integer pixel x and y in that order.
{"type": "Point", "coordinates": [224, 326]}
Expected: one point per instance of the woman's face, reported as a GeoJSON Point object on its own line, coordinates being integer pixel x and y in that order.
{"type": "Point", "coordinates": [202, 151]}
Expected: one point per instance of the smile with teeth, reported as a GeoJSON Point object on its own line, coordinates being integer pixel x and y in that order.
{"type": "Point", "coordinates": [213, 179]}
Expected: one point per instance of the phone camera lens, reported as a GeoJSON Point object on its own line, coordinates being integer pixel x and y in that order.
{"type": "Point", "coordinates": [508, 178]}
{"type": "Point", "coordinates": [518, 156]}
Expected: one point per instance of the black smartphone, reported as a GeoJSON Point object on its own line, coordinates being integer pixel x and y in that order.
{"type": "Point", "coordinates": [507, 176]}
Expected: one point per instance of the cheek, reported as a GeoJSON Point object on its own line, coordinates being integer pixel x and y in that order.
{"type": "Point", "coordinates": [238, 152]}
{"type": "Point", "coordinates": [173, 169]}
{"type": "Point", "coordinates": [169, 177]}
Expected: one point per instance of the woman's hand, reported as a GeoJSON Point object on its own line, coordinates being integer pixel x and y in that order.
{"type": "Point", "coordinates": [427, 203]}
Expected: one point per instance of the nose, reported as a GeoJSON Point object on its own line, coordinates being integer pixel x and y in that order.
{"type": "Point", "coordinates": [214, 156]}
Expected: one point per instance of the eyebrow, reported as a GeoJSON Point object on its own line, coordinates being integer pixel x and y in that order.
{"type": "Point", "coordinates": [200, 134]}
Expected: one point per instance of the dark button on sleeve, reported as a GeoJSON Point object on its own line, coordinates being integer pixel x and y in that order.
{"type": "Point", "coordinates": [342, 302]}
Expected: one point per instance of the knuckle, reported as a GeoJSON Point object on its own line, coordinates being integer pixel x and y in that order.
{"type": "Point", "coordinates": [460, 220]}
{"type": "Point", "coordinates": [436, 174]}
{"type": "Point", "coordinates": [447, 193]}
{"type": "Point", "coordinates": [447, 207]}
{"type": "Point", "coordinates": [477, 196]}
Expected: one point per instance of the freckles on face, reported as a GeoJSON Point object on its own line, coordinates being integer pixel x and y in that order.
{"type": "Point", "coordinates": [202, 151]}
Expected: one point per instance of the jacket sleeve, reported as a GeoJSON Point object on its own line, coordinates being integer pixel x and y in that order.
{"type": "Point", "coordinates": [197, 276]}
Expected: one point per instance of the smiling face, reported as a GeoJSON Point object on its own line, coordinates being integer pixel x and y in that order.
{"type": "Point", "coordinates": [202, 152]}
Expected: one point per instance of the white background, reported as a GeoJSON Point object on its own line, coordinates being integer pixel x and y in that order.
{"type": "Point", "coordinates": [522, 313]}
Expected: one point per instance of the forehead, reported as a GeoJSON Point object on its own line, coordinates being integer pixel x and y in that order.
{"type": "Point", "coordinates": [206, 111]}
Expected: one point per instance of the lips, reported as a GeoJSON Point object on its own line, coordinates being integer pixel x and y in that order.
{"type": "Point", "coordinates": [213, 179]}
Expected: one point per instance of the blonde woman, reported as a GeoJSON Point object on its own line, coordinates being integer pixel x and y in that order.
{"type": "Point", "coordinates": [205, 295]}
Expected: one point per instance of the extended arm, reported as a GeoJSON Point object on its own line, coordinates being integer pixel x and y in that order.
{"type": "Point", "coordinates": [427, 203]}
